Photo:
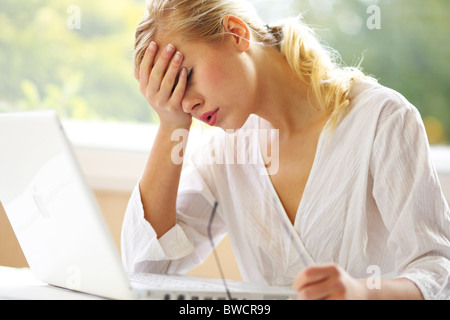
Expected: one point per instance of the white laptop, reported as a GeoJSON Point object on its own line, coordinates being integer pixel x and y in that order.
{"type": "Point", "coordinates": [62, 232]}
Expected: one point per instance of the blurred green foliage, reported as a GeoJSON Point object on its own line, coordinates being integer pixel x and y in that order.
{"type": "Point", "coordinates": [86, 72]}
{"type": "Point", "coordinates": [410, 52]}
{"type": "Point", "coordinates": [83, 73]}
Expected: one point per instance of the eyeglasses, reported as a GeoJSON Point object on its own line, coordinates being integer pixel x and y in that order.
{"type": "Point", "coordinates": [289, 230]}
{"type": "Point", "coordinates": [286, 227]}
{"type": "Point", "coordinates": [213, 246]}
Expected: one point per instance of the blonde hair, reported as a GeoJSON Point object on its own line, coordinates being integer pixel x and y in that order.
{"type": "Point", "coordinates": [315, 64]}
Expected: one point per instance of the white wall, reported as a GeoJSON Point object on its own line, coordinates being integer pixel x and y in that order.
{"type": "Point", "coordinates": [113, 156]}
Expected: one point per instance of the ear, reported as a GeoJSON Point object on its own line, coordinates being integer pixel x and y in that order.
{"type": "Point", "coordinates": [239, 31]}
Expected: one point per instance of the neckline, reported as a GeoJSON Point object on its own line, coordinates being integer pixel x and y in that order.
{"type": "Point", "coordinates": [308, 182]}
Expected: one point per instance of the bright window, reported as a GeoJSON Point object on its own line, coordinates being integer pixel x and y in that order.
{"type": "Point", "coordinates": [75, 55]}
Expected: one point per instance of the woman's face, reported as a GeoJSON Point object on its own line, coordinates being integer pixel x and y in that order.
{"type": "Point", "coordinates": [221, 82]}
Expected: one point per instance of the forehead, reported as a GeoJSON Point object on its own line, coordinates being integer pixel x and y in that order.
{"type": "Point", "coordinates": [191, 50]}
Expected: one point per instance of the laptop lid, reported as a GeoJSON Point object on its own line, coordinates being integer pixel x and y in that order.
{"type": "Point", "coordinates": [52, 211]}
{"type": "Point", "coordinates": [61, 229]}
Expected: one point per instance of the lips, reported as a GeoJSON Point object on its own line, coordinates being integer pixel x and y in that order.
{"type": "Point", "coordinates": [210, 117]}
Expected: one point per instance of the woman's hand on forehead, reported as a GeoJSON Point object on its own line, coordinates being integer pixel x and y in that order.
{"type": "Point", "coordinates": [163, 83]}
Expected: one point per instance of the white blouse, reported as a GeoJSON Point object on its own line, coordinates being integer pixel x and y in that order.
{"type": "Point", "coordinates": [373, 202]}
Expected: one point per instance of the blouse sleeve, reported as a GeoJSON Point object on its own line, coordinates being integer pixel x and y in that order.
{"type": "Point", "coordinates": [183, 247]}
{"type": "Point", "coordinates": [409, 197]}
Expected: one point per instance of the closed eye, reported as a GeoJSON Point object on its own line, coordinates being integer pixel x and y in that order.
{"type": "Point", "coordinates": [189, 75]}
{"type": "Point", "coordinates": [178, 78]}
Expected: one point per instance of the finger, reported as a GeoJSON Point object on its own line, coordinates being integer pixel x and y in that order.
{"type": "Point", "coordinates": [168, 83]}
{"type": "Point", "coordinates": [307, 277]}
{"type": "Point", "coordinates": [146, 64]}
{"type": "Point", "coordinates": [180, 88]}
{"type": "Point", "coordinates": [160, 67]}
{"type": "Point", "coordinates": [313, 275]}
{"type": "Point", "coordinates": [327, 289]}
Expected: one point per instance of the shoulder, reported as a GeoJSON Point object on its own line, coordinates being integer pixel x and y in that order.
{"type": "Point", "coordinates": [377, 115]}
{"type": "Point", "coordinates": [391, 126]}
{"type": "Point", "coordinates": [383, 106]}
{"type": "Point", "coordinates": [374, 96]}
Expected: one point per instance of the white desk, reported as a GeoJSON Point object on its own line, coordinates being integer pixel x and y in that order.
{"type": "Point", "coordinates": [20, 284]}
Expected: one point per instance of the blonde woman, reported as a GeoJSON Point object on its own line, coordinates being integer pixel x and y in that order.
{"type": "Point", "coordinates": [354, 183]}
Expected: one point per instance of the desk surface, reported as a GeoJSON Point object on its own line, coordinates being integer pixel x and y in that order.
{"type": "Point", "coordinates": [20, 284]}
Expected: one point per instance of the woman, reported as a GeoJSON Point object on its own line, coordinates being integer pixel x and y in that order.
{"type": "Point", "coordinates": [354, 182]}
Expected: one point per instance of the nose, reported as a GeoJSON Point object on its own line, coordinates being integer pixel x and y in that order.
{"type": "Point", "coordinates": [190, 104]}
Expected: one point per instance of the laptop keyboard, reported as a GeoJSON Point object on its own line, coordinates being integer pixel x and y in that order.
{"type": "Point", "coordinates": [175, 281]}
{"type": "Point", "coordinates": [187, 287]}
{"type": "Point", "coordinates": [178, 286]}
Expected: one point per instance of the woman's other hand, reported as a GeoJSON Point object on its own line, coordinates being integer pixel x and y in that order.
{"type": "Point", "coordinates": [328, 282]}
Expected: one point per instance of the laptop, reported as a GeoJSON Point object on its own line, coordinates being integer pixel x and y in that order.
{"type": "Point", "coordinates": [61, 229]}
